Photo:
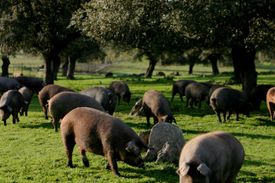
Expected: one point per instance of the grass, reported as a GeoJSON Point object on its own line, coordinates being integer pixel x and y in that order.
{"type": "Point", "coordinates": [31, 151]}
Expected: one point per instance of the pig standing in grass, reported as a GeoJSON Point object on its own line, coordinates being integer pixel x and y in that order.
{"type": "Point", "coordinates": [27, 94]}
{"type": "Point", "coordinates": [11, 103]}
{"type": "Point", "coordinates": [105, 97]}
{"type": "Point", "coordinates": [122, 90]}
{"type": "Point", "coordinates": [179, 87]}
{"type": "Point", "coordinates": [33, 83]}
{"type": "Point", "coordinates": [225, 100]}
{"type": "Point", "coordinates": [64, 102]}
{"type": "Point", "coordinates": [196, 93]}
{"type": "Point", "coordinates": [156, 105]}
{"type": "Point", "coordinates": [102, 134]}
{"type": "Point", "coordinates": [48, 92]}
{"type": "Point", "coordinates": [270, 102]}
{"type": "Point", "coordinates": [211, 157]}
{"type": "Point", "coordinates": [8, 84]}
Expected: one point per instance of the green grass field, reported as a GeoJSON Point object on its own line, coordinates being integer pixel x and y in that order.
{"type": "Point", "coordinates": [31, 151]}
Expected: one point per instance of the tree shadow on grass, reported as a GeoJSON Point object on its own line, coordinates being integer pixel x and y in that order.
{"type": "Point", "coordinates": [265, 122]}
{"type": "Point", "coordinates": [46, 125]}
{"type": "Point", "coordinates": [166, 175]}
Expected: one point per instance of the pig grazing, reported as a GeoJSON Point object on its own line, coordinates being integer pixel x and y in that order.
{"type": "Point", "coordinates": [196, 93]}
{"type": "Point", "coordinates": [211, 157]}
{"type": "Point", "coordinates": [165, 142]}
{"type": "Point", "coordinates": [27, 94]}
{"type": "Point", "coordinates": [11, 103]}
{"type": "Point", "coordinates": [156, 105]}
{"type": "Point", "coordinates": [48, 92]}
{"type": "Point", "coordinates": [225, 100]}
{"type": "Point", "coordinates": [33, 83]}
{"type": "Point", "coordinates": [64, 102]}
{"type": "Point", "coordinates": [122, 90]}
{"type": "Point", "coordinates": [102, 134]}
{"type": "Point", "coordinates": [270, 102]}
{"type": "Point", "coordinates": [179, 87]}
{"type": "Point", "coordinates": [8, 84]}
{"type": "Point", "coordinates": [105, 97]}
{"type": "Point", "coordinates": [258, 94]}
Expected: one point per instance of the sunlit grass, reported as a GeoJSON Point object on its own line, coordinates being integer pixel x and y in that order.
{"type": "Point", "coordinates": [31, 151]}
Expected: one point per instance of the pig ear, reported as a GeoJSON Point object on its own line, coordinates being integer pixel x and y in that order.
{"type": "Point", "coordinates": [183, 170]}
{"type": "Point", "coordinates": [132, 147]}
{"type": "Point", "coordinates": [203, 169]}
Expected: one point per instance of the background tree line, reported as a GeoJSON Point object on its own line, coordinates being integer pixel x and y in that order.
{"type": "Point", "coordinates": [159, 29]}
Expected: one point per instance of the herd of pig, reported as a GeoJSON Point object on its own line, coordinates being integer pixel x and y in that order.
{"type": "Point", "coordinates": [87, 121]}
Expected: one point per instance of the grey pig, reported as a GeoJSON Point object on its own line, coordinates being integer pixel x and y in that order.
{"type": "Point", "coordinates": [212, 157]}
{"type": "Point", "coordinates": [64, 102]}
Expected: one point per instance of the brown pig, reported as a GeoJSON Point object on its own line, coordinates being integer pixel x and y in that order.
{"type": "Point", "coordinates": [102, 134]}
{"type": "Point", "coordinates": [155, 105]}
{"type": "Point", "coordinates": [211, 157]}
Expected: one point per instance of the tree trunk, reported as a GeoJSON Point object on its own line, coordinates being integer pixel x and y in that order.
{"type": "Point", "coordinates": [70, 74]}
{"type": "Point", "coordinates": [214, 63]}
{"type": "Point", "coordinates": [191, 65]}
{"type": "Point", "coordinates": [152, 64]}
{"type": "Point", "coordinates": [65, 66]}
{"type": "Point", "coordinates": [244, 63]}
{"type": "Point", "coordinates": [237, 63]}
{"type": "Point", "coordinates": [5, 66]}
{"type": "Point", "coordinates": [56, 65]}
{"type": "Point", "coordinates": [49, 69]}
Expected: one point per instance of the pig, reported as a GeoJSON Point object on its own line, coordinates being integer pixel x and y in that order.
{"type": "Point", "coordinates": [62, 103]}
{"type": "Point", "coordinates": [8, 84]}
{"type": "Point", "coordinates": [258, 94]}
{"type": "Point", "coordinates": [48, 92]}
{"type": "Point", "coordinates": [168, 147]}
{"type": "Point", "coordinates": [211, 90]}
{"type": "Point", "coordinates": [156, 105]}
{"type": "Point", "coordinates": [212, 157]}
{"type": "Point", "coordinates": [225, 100]}
{"type": "Point", "coordinates": [11, 103]}
{"type": "Point", "coordinates": [196, 93]}
{"type": "Point", "coordinates": [270, 102]}
{"type": "Point", "coordinates": [27, 94]}
{"type": "Point", "coordinates": [102, 134]}
{"type": "Point", "coordinates": [104, 96]}
{"type": "Point", "coordinates": [122, 90]}
{"type": "Point", "coordinates": [179, 87]}
{"type": "Point", "coordinates": [33, 83]}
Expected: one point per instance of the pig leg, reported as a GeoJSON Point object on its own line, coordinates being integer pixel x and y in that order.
{"type": "Point", "coordinates": [112, 162]}
{"type": "Point", "coordinates": [55, 123]}
{"type": "Point", "coordinates": [13, 118]}
{"type": "Point", "coordinates": [219, 116]}
{"type": "Point", "coordinates": [5, 122]}
{"type": "Point", "coordinates": [45, 110]}
{"type": "Point", "coordinates": [148, 120]}
{"type": "Point", "coordinates": [84, 158]}
{"type": "Point", "coordinates": [228, 117]}
{"type": "Point", "coordinates": [187, 101]}
{"type": "Point", "coordinates": [224, 116]}
{"type": "Point", "coordinates": [237, 116]}
{"type": "Point", "coordinates": [69, 143]}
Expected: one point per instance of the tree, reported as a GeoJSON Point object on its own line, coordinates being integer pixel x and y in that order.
{"type": "Point", "coordinates": [82, 49]}
{"type": "Point", "coordinates": [244, 26]}
{"type": "Point", "coordinates": [38, 26]}
{"type": "Point", "coordinates": [130, 24]}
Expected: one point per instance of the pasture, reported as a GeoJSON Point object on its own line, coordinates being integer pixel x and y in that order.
{"type": "Point", "coordinates": [30, 151]}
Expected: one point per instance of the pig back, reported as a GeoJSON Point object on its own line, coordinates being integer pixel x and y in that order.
{"type": "Point", "coordinates": [61, 103]}
{"type": "Point", "coordinates": [156, 102]}
{"type": "Point", "coordinates": [221, 152]}
{"type": "Point", "coordinates": [95, 130]}
{"type": "Point", "coordinates": [8, 84]}
{"type": "Point", "coordinates": [13, 99]}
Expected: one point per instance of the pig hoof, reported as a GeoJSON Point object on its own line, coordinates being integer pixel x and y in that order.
{"type": "Point", "coordinates": [71, 166]}
{"type": "Point", "coordinates": [85, 162]}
